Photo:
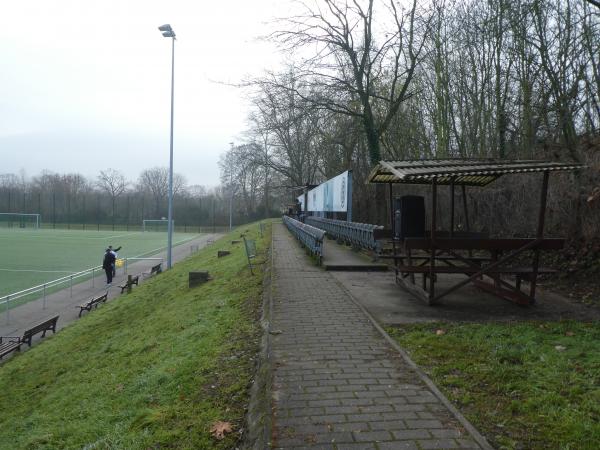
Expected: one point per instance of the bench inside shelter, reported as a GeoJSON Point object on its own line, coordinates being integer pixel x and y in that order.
{"type": "Point", "coordinates": [497, 265]}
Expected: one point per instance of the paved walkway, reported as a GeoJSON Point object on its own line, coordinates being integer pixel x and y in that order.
{"type": "Point", "coordinates": [64, 302]}
{"type": "Point", "coordinates": [337, 382]}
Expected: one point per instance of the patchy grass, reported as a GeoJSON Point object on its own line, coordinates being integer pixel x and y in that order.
{"type": "Point", "coordinates": [153, 369]}
{"type": "Point", "coordinates": [524, 385]}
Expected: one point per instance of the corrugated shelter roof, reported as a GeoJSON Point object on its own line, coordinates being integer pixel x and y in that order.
{"type": "Point", "coordinates": [468, 172]}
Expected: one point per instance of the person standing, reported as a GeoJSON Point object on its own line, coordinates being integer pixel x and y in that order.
{"type": "Point", "coordinates": [114, 252]}
{"type": "Point", "coordinates": [108, 264]}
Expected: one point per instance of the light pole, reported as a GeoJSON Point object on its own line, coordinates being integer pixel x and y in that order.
{"type": "Point", "coordinates": [231, 194]}
{"type": "Point", "coordinates": [168, 32]}
{"type": "Point", "coordinates": [231, 205]}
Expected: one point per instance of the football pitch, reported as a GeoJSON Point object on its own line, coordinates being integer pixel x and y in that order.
{"type": "Point", "coordinates": [30, 257]}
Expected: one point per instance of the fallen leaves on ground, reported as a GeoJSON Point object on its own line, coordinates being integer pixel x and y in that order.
{"type": "Point", "coordinates": [219, 429]}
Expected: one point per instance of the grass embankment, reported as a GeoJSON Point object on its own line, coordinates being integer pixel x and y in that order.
{"type": "Point", "coordinates": [153, 369]}
{"type": "Point", "coordinates": [523, 385]}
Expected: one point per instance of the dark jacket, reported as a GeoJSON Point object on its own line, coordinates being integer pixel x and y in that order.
{"type": "Point", "coordinates": [109, 260]}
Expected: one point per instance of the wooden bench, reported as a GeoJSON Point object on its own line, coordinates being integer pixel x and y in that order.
{"type": "Point", "coordinates": [93, 303]}
{"type": "Point", "coordinates": [47, 325]}
{"type": "Point", "coordinates": [520, 271]}
{"type": "Point", "coordinates": [9, 344]}
{"type": "Point", "coordinates": [153, 271]}
{"type": "Point", "coordinates": [126, 284]}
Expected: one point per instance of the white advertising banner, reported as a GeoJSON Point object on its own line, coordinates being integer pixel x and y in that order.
{"type": "Point", "coordinates": [331, 196]}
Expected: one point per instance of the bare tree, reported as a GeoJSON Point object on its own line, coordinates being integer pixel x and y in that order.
{"type": "Point", "coordinates": [114, 184]}
{"type": "Point", "coordinates": [289, 124]}
{"type": "Point", "coordinates": [156, 182]}
{"type": "Point", "coordinates": [359, 66]}
{"type": "Point", "coordinates": [594, 2]}
{"type": "Point", "coordinates": [562, 57]}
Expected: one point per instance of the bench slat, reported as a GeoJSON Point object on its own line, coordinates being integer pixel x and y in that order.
{"type": "Point", "coordinates": [482, 244]}
{"type": "Point", "coordinates": [94, 302]}
{"type": "Point", "coordinates": [125, 285]}
{"type": "Point", "coordinates": [49, 324]}
{"type": "Point", "coordinates": [10, 345]}
{"type": "Point", "coordinates": [472, 270]}
{"type": "Point", "coordinates": [153, 271]}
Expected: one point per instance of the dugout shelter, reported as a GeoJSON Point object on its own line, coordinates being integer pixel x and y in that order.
{"type": "Point", "coordinates": [492, 264]}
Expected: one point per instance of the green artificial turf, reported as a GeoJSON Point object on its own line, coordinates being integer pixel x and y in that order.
{"type": "Point", "coordinates": [533, 385]}
{"type": "Point", "coordinates": [152, 369]}
{"type": "Point", "coordinates": [31, 257]}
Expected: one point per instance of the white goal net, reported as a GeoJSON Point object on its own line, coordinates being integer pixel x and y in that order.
{"type": "Point", "coordinates": [156, 225]}
{"type": "Point", "coordinates": [20, 220]}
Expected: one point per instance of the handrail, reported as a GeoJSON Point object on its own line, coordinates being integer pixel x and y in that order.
{"type": "Point", "coordinates": [6, 299]}
{"type": "Point", "coordinates": [311, 237]}
{"type": "Point", "coordinates": [353, 233]}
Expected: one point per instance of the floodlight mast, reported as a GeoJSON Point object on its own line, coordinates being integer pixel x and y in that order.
{"type": "Point", "coordinates": [167, 31]}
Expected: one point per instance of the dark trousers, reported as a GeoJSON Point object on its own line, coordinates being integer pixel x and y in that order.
{"type": "Point", "coordinates": [109, 275]}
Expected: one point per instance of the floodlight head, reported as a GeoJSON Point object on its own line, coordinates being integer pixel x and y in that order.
{"type": "Point", "coordinates": [168, 34]}
{"type": "Point", "coordinates": [165, 27]}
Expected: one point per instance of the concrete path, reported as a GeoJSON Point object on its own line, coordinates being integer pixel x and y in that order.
{"type": "Point", "coordinates": [337, 382]}
{"type": "Point", "coordinates": [64, 302]}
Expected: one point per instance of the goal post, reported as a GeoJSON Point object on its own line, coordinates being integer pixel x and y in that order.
{"type": "Point", "coordinates": [20, 220]}
{"type": "Point", "coordinates": [156, 225]}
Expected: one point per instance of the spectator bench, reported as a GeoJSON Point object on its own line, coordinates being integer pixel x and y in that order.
{"type": "Point", "coordinates": [92, 303]}
{"type": "Point", "coordinates": [9, 344]}
{"type": "Point", "coordinates": [12, 343]}
{"type": "Point", "coordinates": [134, 280]}
{"type": "Point", "coordinates": [153, 271]}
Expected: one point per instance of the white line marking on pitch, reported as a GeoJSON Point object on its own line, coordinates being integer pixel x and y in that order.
{"type": "Point", "coordinates": [32, 270]}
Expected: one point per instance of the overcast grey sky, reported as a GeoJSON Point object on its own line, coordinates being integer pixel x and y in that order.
{"type": "Point", "coordinates": [85, 85]}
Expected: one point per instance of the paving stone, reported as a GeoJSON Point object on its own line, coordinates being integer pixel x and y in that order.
{"type": "Point", "coordinates": [327, 402]}
{"type": "Point", "coordinates": [467, 443]}
{"type": "Point", "coordinates": [373, 436]}
{"type": "Point", "coordinates": [355, 446]}
{"type": "Point", "coordinates": [412, 434]}
{"type": "Point", "coordinates": [398, 445]}
{"type": "Point", "coordinates": [342, 409]}
{"type": "Point", "coordinates": [388, 425]}
{"type": "Point", "coordinates": [337, 384]}
{"type": "Point", "coordinates": [351, 426]}
{"type": "Point", "coordinates": [340, 418]}
{"type": "Point", "coordinates": [424, 424]}
{"type": "Point", "coordinates": [446, 433]}
{"type": "Point", "coordinates": [334, 436]}
{"type": "Point", "coordinates": [438, 444]}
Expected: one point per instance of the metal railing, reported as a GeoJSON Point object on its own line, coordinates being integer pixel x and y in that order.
{"type": "Point", "coordinates": [352, 233]}
{"type": "Point", "coordinates": [309, 236]}
{"type": "Point", "coordinates": [53, 286]}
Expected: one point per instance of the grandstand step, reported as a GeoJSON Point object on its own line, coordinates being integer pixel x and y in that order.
{"type": "Point", "coordinates": [356, 267]}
